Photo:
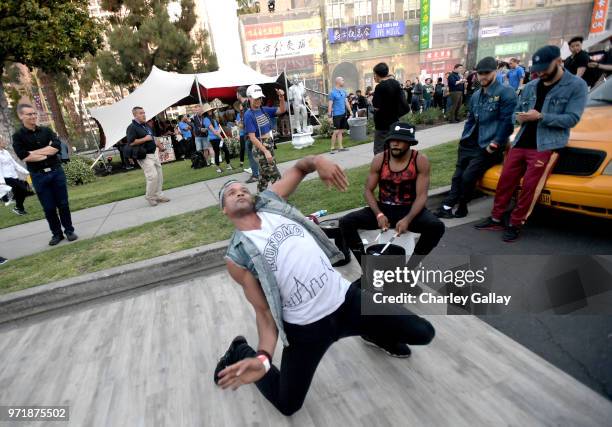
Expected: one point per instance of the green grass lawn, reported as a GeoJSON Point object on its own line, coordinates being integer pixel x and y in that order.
{"type": "Point", "coordinates": [130, 184]}
{"type": "Point", "coordinates": [186, 231]}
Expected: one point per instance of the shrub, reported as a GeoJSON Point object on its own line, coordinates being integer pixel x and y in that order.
{"type": "Point", "coordinates": [325, 129]}
{"type": "Point", "coordinates": [78, 171]}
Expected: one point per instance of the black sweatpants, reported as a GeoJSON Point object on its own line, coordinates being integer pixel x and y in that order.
{"type": "Point", "coordinates": [216, 146]}
{"type": "Point", "coordinates": [286, 388]}
{"type": "Point", "coordinates": [425, 223]}
{"type": "Point", "coordinates": [472, 163]}
{"type": "Point", "coordinates": [20, 191]}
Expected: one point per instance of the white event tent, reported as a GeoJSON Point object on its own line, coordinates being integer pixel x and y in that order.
{"type": "Point", "coordinates": [163, 89]}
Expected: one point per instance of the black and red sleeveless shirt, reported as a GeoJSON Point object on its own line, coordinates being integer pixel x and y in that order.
{"type": "Point", "coordinates": [398, 188]}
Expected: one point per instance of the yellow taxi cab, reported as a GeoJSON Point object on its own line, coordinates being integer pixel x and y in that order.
{"type": "Point", "coordinates": [582, 178]}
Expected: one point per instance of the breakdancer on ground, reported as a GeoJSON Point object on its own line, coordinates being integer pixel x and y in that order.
{"type": "Point", "coordinates": [283, 261]}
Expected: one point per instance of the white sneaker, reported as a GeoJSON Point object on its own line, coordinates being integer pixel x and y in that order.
{"type": "Point", "coordinates": [248, 170]}
{"type": "Point", "coordinates": [219, 170]}
{"type": "Point", "coordinates": [229, 167]}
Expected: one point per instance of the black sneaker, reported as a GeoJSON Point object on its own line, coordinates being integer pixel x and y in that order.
{"type": "Point", "coordinates": [252, 179]}
{"type": "Point", "coordinates": [462, 211]}
{"type": "Point", "coordinates": [71, 237]}
{"type": "Point", "coordinates": [444, 213]}
{"type": "Point", "coordinates": [489, 224]}
{"type": "Point", "coordinates": [19, 212]}
{"type": "Point", "coordinates": [398, 350]}
{"type": "Point", "coordinates": [511, 233]}
{"type": "Point", "coordinates": [3, 260]}
{"type": "Point", "coordinates": [56, 239]}
{"type": "Point", "coordinates": [229, 358]}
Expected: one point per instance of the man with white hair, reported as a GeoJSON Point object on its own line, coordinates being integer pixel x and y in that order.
{"type": "Point", "coordinates": [337, 110]}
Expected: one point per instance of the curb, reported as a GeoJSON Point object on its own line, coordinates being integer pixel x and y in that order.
{"type": "Point", "coordinates": [150, 272]}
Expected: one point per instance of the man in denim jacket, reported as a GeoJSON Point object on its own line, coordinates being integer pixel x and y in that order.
{"type": "Point", "coordinates": [548, 108]}
{"type": "Point", "coordinates": [486, 131]}
{"type": "Point", "coordinates": [283, 263]}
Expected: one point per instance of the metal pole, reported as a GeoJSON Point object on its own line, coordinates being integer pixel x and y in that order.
{"type": "Point", "coordinates": [198, 89]}
{"type": "Point", "coordinates": [288, 103]}
{"type": "Point", "coordinates": [316, 91]}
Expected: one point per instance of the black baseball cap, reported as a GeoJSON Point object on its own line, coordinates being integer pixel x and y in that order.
{"type": "Point", "coordinates": [402, 132]}
{"type": "Point", "coordinates": [543, 57]}
{"type": "Point", "coordinates": [486, 65]}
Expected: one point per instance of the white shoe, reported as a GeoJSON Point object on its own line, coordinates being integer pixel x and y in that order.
{"type": "Point", "coordinates": [219, 170]}
{"type": "Point", "coordinates": [248, 170]}
{"type": "Point", "coordinates": [229, 167]}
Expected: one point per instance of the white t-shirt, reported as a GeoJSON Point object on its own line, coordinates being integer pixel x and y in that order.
{"type": "Point", "coordinates": [310, 287]}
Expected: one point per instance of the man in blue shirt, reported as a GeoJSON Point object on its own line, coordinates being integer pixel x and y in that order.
{"type": "Point", "coordinates": [258, 127]}
{"type": "Point", "coordinates": [337, 108]}
{"type": "Point", "coordinates": [515, 74]}
{"type": "Point", "coordinates": [185, 128]}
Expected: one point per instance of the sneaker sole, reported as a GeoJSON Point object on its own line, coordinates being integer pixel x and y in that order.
{"type": "Point", "coordinates": [397, 356]}
{"type": "Point", "coordinates": [492, 228]}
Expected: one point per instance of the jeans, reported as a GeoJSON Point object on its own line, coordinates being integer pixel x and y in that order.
{"type": "Point", "coordinates": [201, 143]}
{"type": "Point", "coordinates": [286, 388]}
{"type": "Point", "coordinates": [52, 192]}
{"type": "Point", "coordinates": [152, 168]}
{"type": "Point", "coordinates": [254, 165]}
{"type": "Point", "coordinates": [534, 167]}
{"type": "Point", "coordinates": [20, 192]}
{"type": "Point", "coordinates": [216, 146]}
{"type": "Point", "coordinates": [425, 223]}
{"type": "Point", "coordinates": [472, 163]}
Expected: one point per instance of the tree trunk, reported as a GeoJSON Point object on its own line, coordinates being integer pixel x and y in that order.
{"type": "Point", "coordinates": [56, 110]}
{"type": "Point", "coordinates": [6, 122]}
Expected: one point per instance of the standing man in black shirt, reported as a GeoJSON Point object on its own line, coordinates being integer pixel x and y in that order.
{"type": "Point", "coordinates": [138, 133]}
{"type": "Point", "coordinates": [389, 105]}
{"type": "Point", "coordinates": [578, 61]}
{"type": "Point", "coordinates": [456, 88]}
{"type": "Point", "coordinates": [38, 146]}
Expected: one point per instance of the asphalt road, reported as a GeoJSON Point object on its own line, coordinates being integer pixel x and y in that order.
{"type": "Point", "coordinates": [579, 344]}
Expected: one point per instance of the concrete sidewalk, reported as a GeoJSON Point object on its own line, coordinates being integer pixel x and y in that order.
{"type": "Point", "coordinates": [33, 237]}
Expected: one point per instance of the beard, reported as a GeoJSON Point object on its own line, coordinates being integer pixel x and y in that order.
{"type": "Point", "coordinates": [550, 76]}
{"type": "Point", "coordinates": [398, 153]}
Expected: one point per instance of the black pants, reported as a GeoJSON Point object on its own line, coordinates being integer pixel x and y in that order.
{"type": "Point", "coordinates": [286, 388]}
{"type": "Point", "coordinates": [242, 149]}
{"type": "Point", "coordinates": [438, 101]}
{"type": "Point", "coordinates": [472, 163]}
{"type": "Point", "coordinates": [215, 145]}
{"type": "Point", "coordinates": [425, 223]}
{"type": "Point", "coordinates": [20, 191]}
{"type": "Point", "coordinates": [177, 147]}
{"type": "Point", "coordinates": [52, 192]}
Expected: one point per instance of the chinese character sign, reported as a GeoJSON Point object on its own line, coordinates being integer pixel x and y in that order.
{"type": "Point", "coordinates": [378, 30]}
{"type": "Point", "coordinates": [289, 46]}
{"type": "Point", "coordinates": [600, 13]}
{"type": "Point", "coordinates": [424, 36]}
{"type": "Point", "coordinates": [263, 31]}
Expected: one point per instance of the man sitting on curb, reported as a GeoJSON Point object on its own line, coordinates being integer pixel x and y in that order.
{"type": "Point", "coordinates": [485, 134]}
{"type": "Point", "coordinates": [283, 263]}
{"type": "Point", "coordinates": [402, 175]}
{"type": "Point", "coordinates": [548, 108]}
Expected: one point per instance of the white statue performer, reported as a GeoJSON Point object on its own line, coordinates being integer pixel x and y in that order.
{"type": "Point", "coordinates": [297, 95]}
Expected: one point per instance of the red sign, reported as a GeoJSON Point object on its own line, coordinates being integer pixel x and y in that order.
{"type": "Point", "coordinates": [438, 55]}
{"type": "Point", "coordinates": [263, 31]}
{"type": "Point", "coordinates": [600, 13]}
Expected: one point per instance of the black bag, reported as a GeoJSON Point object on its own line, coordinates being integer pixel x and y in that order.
{"type": "Point", "coordinates": [197, 160]}
{"type": "Point", "coordinates": [138, 152]}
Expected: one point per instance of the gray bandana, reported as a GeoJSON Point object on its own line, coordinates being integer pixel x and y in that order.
{"type": "Point", "coordinates": [222, 191]}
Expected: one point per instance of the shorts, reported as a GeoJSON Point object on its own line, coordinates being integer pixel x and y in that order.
{"type": "Point", "coordinates": [340, 122]}
{"type": "Point", "coordinates": [201, 143]}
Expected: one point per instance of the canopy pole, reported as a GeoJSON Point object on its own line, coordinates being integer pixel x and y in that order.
{"type": "Point", "coordinates": [198, 89]}
{"type": "Point", "coordinates": [288, 103]}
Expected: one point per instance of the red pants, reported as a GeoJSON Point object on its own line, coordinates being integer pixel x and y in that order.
{"type": "Point", "coordinates": [534, 167]}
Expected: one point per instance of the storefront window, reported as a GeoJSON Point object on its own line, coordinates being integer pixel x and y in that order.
{"type": "Point", "coordinates": [386, 10]}
{"type": "Point", "coordinates": [412, 9]}
{"type": "Point", "coordinates": [335, 13]}
{"type": "Point", "coordinates": [363, 12]}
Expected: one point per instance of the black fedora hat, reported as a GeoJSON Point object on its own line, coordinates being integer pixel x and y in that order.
{"type": "Point", "coordinates": [402, 132]}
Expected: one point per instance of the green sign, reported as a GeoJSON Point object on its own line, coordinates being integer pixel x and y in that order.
{"type": "Point", "coordinates": [510, 48]}
{"type": "Point", "coordinates": [425, 25]}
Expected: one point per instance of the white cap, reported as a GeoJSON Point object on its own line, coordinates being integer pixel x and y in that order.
{"type": "Point", "coordinates": [255, 92]}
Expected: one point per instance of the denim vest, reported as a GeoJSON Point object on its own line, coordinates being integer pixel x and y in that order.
{"type": "Point", "coordinates": [561, 111]}
{"type": "Point", "coordinates": [492, 112]}
{"type": "Point", "coordinates": [244, 253]}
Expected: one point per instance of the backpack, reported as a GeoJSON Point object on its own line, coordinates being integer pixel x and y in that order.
{"type": "Point", "coordinates": [197, 160]}
{"type": "Point", "coordinates": [439, 89]}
